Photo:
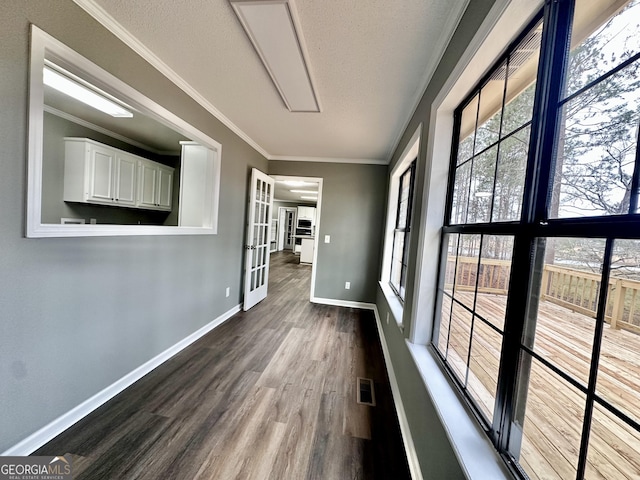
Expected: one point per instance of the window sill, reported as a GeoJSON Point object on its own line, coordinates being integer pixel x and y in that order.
{"type": "Point", "coordinates": [395, 306]}
{"type": "Point", "coordinates": [477, 457]}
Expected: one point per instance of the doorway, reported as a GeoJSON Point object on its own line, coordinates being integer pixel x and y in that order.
{"type": "Point", "coordinates": [287, 217]}
{"type": "Point", "coordinates": [299, 202]}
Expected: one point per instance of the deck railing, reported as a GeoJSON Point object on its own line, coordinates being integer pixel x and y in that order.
{"type": "Point", "coordinates": [577, 290]}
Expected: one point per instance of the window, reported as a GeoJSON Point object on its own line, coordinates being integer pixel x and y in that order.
{"type": "Point", "coordinates": [148, 172]}
{"type": "Point", "coordinates": [538, 315]}
{"type": "Point", "coordinates": [401, 232]}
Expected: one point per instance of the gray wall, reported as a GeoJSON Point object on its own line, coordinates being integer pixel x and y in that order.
{"type": "Point", "coordinates": [77, 314]}
{"type": "Point", "coordinates": [54, 208]}
{"type": "Point", "coordinates": [353, 205]}
{"type": "Point", "coordinates": [433, 448]}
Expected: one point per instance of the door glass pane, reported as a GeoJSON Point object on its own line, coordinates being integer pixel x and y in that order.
{"type": "Point", "coordinates": [552, 426]}
{"type": "Point", "coordinates": [253, 280]}
{"type": "Point", "coordinates": [619, 369]}
{"type": "Point", "coordinates": [268, 193]}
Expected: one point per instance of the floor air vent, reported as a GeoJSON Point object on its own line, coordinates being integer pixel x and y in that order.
{"type": "Point", "coordinates": [366, 395]}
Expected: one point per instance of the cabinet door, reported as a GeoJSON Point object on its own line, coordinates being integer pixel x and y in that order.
{"type": "Point", "coordinates": [165, 188]}
{"type": "Point", "coordinates": [148, 185]}
{"type": "Point", "coordinates": [125, 180]}
{"type": "Point", "coordinates": [101, 170]}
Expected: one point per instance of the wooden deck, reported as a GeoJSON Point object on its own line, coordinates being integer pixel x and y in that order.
{"type": "Point", "coordinates": [555, 409]}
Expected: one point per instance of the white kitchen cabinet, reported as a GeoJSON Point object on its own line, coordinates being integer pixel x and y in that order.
{"type": "Point", "coordinates": [100, 174]}
{"type": "Point", "coordinates": [307, 213]}
{"type": "Point", "coordinates": [155, 185]}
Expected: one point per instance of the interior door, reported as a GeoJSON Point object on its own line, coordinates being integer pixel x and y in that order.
{"type": "Point", "coordinates": [256, 276]}
{"type": "Point", "coordinates": [290, 229]}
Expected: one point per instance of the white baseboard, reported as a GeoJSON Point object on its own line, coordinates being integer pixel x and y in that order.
{"type": "Point", "coordinates": [343, 303]}
{"type": "Point", "coordinates": [60, 424]}
{"type": "Point", "coordinates": [412, 455]}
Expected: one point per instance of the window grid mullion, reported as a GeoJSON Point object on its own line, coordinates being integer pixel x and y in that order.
{"type": "Point", "coordinates": [595, 358]}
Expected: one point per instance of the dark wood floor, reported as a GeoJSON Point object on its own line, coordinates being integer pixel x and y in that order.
{"type": "Point", "coordinates": [270, 394]}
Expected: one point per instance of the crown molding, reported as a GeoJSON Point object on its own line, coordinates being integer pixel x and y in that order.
{"type": "Point", "coordinates": [362, 161]}
{"type": "Point", "coordinates": [450, 26]}
{"type": "Point", "coordinates": [107, 21]}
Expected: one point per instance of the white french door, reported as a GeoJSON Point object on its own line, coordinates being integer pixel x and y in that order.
{"type": "Point", "coordinates": [256, 272]}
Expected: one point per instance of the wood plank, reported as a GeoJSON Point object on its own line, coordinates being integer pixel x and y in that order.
{"type": "Point", "coordinates": [267, 395]}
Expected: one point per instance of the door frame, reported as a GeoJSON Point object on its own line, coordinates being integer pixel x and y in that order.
{"type": "Point", "coordinates": [316, 240]}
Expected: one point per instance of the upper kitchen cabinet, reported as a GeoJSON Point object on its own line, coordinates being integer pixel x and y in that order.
{"type": "Point", "coordinates": [100, 174]}
{"type": "Point", "coordinates": [307, 213]}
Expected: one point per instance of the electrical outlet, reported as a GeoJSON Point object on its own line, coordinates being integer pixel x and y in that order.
{"type": "Point", "coordinates": [347, 285]}
{"type": "Point", "coordinates": [327, 239]}
{"type": "Point", "coordinates": [92, 221]}
{"type": "Point", "coordinates": [226, 293]}
{"type": "Point", "coordinates": [387, 318]}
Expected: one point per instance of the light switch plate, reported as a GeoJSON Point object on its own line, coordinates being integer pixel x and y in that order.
{"type": "Point", "coordinates": [327, 239]}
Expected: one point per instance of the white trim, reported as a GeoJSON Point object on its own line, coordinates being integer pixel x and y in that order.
{"type": "Point", "coordinates": [440, 48]}
{"type": "Point", "coordinates": [393, 302]}
{"type": "Point", "coordinates": [105, 131]}
{"type": "Point", "coordinates": [410, 449]}
{"type": "Point", "coordinates": [42, 42]}
{"type": "Point", "coordinates": [472, 447]}
{"type": "Point", "coordinates": [343, 303]}
{"type": "Point", "coordinates": [107, 21]}
{"type": "Point", "coordinates": [59, 425]}
{"type": "Point", "coordinates": [362, 161]}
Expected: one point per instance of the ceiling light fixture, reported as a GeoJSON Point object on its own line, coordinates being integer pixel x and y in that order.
{"type": "Point", "coordinates": [312, 192]}
{"type": "Point", "coordinates": [274, 31]}
{"type": "Point", "coordinates": [303, 197]}
{"type": "Point", "coordinates": [63, 84]}
{"type": "Point", "coordinates": [296, 183]}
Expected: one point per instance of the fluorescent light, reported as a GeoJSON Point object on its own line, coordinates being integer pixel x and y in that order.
{"type": "Point", "coordinates": [275, 34]}
{"type": "Point", "coordinates": [67, 86]}
{"type": "Point", "coordinates": [303, 197]}
{"type": "Point", "coordinates": [312, 192]}
{"type": "Point", "coordinates": [296, 183]}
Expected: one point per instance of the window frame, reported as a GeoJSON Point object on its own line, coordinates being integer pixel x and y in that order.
{"type": "Point", "coordinates": [406, 230]}
{"type": "Point", "coordinates": [535, 224]}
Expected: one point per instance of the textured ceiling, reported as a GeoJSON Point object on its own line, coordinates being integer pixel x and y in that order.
{"type": "Point", "coordinates": [370, 60]}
